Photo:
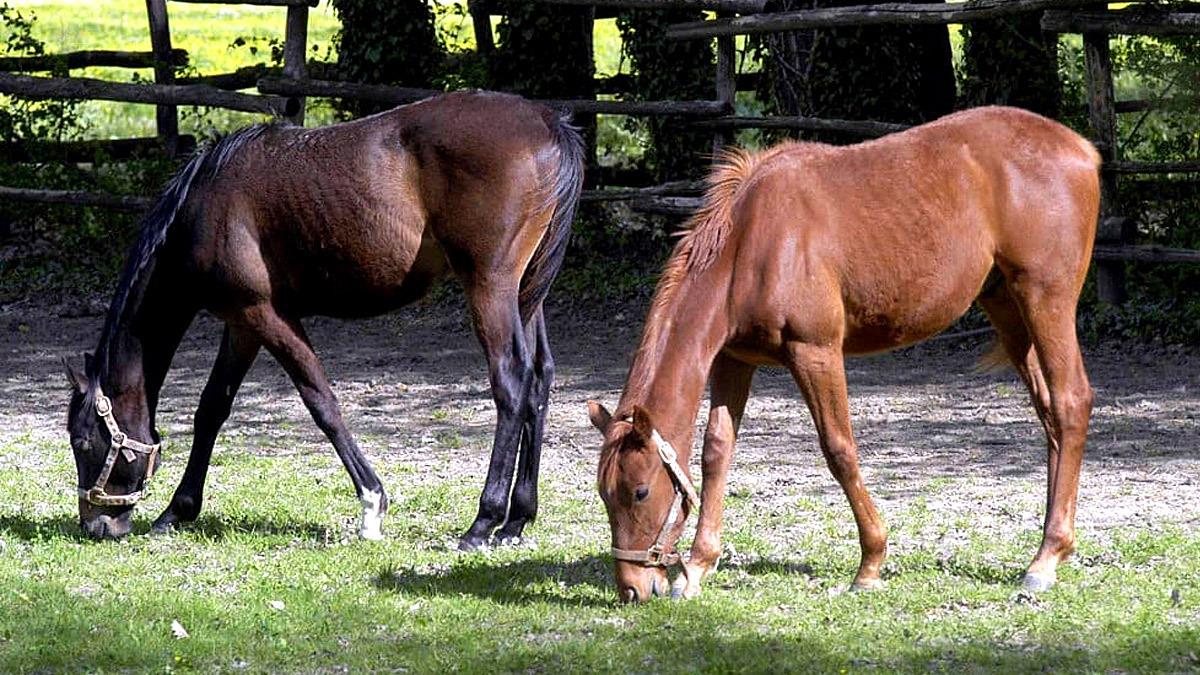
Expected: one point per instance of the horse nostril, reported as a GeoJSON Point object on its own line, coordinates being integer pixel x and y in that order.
{"type": "Point", "coordinates": [629, 595]}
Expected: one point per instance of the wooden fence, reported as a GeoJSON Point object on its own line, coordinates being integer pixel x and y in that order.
{"type": "Point", "coordinates": [282, 92]}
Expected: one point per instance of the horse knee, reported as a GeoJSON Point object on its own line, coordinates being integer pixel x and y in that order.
{"type": "Point", "coordinates": [841, 453]}
{"type": "Point", "coordinates": [1073, 408]}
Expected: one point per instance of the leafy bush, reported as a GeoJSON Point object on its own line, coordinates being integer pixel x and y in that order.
{"type": "Point", "coordinates": [24, 119]}
{"type": "Point", "coordinates": [391, 42]}
{"type": "Point", "coordinates": [669, 70]}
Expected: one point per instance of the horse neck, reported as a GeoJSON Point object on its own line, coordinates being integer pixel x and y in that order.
{"type": "Point", "coordinates": [137, 348]}
{"type": "Point", "coordinates": [668, 374]}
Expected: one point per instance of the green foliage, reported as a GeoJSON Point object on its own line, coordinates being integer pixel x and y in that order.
{"type": "Point", "coordinates": [669, 70]}
{"type": "Point", "coordinates": [544, 51]}
{"type": "Point", "coordinates": [24, 119]}
{"type": "Point", "coordinates": [386, 43]}
{"type": "Point", "coordinates": [1164, 303]}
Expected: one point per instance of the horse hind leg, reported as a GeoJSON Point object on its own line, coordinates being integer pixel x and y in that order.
{"type": "Point", "coordinates": [522, 509]}
{"type": "Point", "coordinates": [237, 353]}
{"type": "Point", "coordinates": [1014, 347]}
{"type": "Point", "coordinates": [1047, 309]}
{"type": "Point", "coordinates": [511, 373]}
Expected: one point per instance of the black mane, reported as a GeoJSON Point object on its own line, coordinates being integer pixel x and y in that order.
{"type": "Point", "coordinates": [202, 167]}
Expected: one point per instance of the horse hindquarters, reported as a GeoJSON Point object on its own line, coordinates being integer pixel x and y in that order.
{"type": "Point", "coordinates": [1044, 257]}
{"type": "Point", "coordinates": [526, 211]}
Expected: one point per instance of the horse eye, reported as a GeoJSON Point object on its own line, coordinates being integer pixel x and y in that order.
{"type": "Point", "coordinates": [641, 493]}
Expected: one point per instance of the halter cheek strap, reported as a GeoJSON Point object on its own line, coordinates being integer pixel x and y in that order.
{"type": "Point", "coordinates": [656, 555]}
{"type": "Point", "coordinates": [120, 445]}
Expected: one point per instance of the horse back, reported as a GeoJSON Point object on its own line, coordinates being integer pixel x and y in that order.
{"type": "Point", "coordinates": [358, 218]}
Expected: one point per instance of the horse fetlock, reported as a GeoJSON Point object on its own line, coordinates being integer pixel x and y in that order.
{"type": "Point", "coordinates": [687, 584]}
{"type": "Point", "coordinates": [184, 508]}
{"type": "Point", "coordinates": [1039, 582]}
{"type": "Point", "coordinates": [374, 505]}
{"type": "Point", "coordinates": [867, 584]}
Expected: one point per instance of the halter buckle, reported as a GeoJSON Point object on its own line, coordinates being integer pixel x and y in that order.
{"type": "Point", "coordinates": [103, 405]}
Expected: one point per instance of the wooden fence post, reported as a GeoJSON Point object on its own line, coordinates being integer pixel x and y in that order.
{"type": "Point", "coordinates": [726, 83]}
{"type": "Point", "coordinates": [295, 51]}
{"type": "Point", "coordinates": [1102, 114]}
{"type": "Point", "coordinates": [164, 73]}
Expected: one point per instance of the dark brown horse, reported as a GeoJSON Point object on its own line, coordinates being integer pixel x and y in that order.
{"type": "Point", "coordinates": [805, 253]}
{"type": "Point", "coordinates": [275, 223]}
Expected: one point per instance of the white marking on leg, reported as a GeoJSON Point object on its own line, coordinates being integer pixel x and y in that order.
{"type": "Point", "coordinates": [372, 519]}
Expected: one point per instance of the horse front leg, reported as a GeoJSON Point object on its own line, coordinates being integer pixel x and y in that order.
{"type": "Point", "coordinates": [730, 383]}
{"type": "Point", "coordinates": [286, 340]}
{"type": "Point", "coordinates": [237, 353]}
{"type": "Point", "coordinates": [510, 371]}
{"type": "Point", "coordinates": [820, 373]}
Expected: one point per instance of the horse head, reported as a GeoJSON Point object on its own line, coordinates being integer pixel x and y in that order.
{"type": "Point", "coordinates": [648, 498]}
{"type": "Point", "coordinates": [112, 468]}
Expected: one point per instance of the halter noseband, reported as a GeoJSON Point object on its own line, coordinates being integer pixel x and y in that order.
{"type": "Point", "coordinates": [120, 444]}
{"type": "Point", "coordinates": [656, 556]}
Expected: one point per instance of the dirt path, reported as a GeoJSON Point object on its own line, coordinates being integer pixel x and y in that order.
{"type": "Point", "coordinates": [415, 392]}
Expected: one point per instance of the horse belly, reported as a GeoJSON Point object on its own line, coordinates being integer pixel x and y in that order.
{"type": "Point", "coordinates": [386, 280]}
{"type": "Point", "coordinates": [912, 302]}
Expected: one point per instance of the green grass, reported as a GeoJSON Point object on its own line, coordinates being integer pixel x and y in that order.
{"type": "Point", "coordinates": [271, 579]}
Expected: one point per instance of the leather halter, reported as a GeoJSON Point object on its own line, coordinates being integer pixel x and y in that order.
{"type": "Point", "coordinates": [122, 445]}
{"type": "Point", "coordinates": [656, 555]}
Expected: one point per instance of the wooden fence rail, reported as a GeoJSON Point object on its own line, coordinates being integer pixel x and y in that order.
{"type": "Point", "coordinates": [864, 15]}
{"type": "Point", "coordinates": [88, 58]}
{"type": "Point", "coordinates": [157, 94]}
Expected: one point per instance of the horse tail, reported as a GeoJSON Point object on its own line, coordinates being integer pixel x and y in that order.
{"type": "Point", "coordinates": [562, 193]}
{"type": "Point", "coordinates": [156, 224]}
{"type": "Point", "coordinates": [994, 359]}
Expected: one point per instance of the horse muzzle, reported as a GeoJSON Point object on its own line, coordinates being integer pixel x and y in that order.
{"type": "Point", "coordinates": [636, 583]}
{"type": "Point", "coordinates": [104, 522]}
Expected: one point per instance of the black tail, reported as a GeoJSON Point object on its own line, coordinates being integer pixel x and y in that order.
{"type": "Point", "coordinates": [563, 194]}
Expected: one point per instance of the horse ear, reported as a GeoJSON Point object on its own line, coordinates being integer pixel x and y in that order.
{"type": "Point", "coordinates": [77, 379]}
{"type": "Point", "coordinates": [642, 423]}
{"type": "Point", "coordinates": [599, 415]}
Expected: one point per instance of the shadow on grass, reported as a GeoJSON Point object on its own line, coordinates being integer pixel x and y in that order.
{"type": "Point", "coordinates": [67, 528]}
{"type": "Point", "coordinates": [223, 527]}
{"type": "Point", "coordinates": [524, 581]}
{"type": "Point", "coordinates": [30, 529]}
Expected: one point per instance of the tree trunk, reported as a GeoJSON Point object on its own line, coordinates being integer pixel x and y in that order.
{"type": "Point", "coordinates": [900, 74]}
{"type": "Point", "coordinates": [1010, 61]}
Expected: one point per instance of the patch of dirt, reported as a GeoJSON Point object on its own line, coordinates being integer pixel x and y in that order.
{"type": "Point", "coordinates": [414, 390]}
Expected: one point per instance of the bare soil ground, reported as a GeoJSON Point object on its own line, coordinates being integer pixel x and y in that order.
{"type": "Point", "coordinates": [413, 386]}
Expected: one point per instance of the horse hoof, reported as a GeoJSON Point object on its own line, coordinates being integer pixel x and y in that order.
{"type": "Point", "coordinates": [867, 585]}
{"type": "Point", "coordinates": [468, 544]}
{"type": "Point", "coordinates": [1037, 583]}
{"type": "Point", "coordinates": [162, 529]}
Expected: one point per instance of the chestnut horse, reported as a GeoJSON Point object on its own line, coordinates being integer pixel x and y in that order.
{"type": "Point", "coordinates": [275, 223]}
{"type": "Point", "coordinates": [805, 253]}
